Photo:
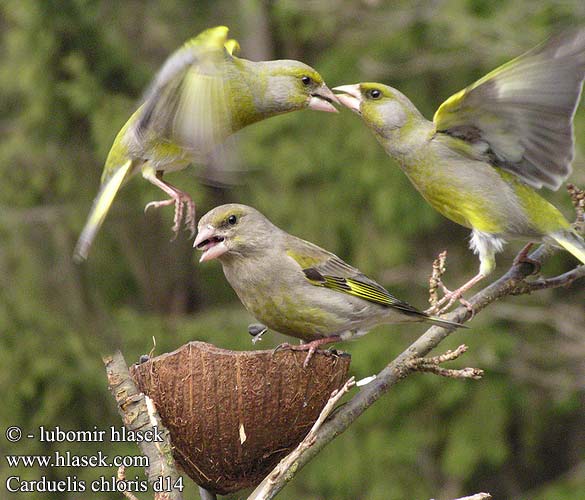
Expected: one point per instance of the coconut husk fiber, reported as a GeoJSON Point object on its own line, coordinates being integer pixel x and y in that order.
{"type": "Point", "coordinates": [233, 415]}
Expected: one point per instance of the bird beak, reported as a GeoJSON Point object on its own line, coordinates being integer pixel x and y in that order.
{"type": "Point", "coordinates": [322, 99]}
{"type": "Point", "coordinates": [350, 96]}
{"type": "Point", "coordinates": [211, 245]}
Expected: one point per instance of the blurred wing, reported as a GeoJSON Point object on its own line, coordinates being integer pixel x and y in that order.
{"type": "Point", "coordinates": [524, 110]}
{"type": "Point", "coordinates": [188, 102]}
{"type": "Point", "coordinates": [223, 167]}
{"type": "Point", "coordinates": [322, 268]}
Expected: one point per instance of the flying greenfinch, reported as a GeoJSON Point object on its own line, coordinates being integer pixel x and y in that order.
{"type": "Point", "coordinates": [295, 287]}
{"type": "Point", "coordinates": [201, 95]}
{"type": "Point", "coordinates": [489, 147]}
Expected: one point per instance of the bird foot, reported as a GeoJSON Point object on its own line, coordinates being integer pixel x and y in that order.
{"type": "Point", "coordinates": [181, 201]}
{"type": "Point", "coordinates": [522, 258]}
{"type": "Point", "coordinates": [450, 297]}
{"type": "Point", "coordinates": [311, 347]}
{"type": "Point", "coordinates": [158, 204]}
{"type": "Point", "coordinates": [190, 222]}
{"type": "Point", "coordinates": [448, 300]}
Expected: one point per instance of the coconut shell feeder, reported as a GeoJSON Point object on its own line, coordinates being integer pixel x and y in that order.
{"type": "Point", "coordinates": [233, 415]}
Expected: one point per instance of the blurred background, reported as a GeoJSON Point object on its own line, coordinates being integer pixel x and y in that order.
{"type": "Point", "coordinates": [71, 73]}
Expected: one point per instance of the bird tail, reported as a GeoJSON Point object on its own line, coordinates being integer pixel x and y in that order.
{"type": "Point", "coordinates": [101, 205]}
{"type": "Point", "coordinates": [445, 323]}
{"type": "Point", "coordinates": [572, 243]}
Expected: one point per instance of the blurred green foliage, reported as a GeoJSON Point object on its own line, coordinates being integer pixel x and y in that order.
{"type": "Point", "coordinates": [71, 72]}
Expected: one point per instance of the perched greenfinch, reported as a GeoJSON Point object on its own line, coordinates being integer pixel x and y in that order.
{"type": "Point", "coordinates": [295, 287]}
{"type": "Point", "coordinates": [489, 147]}
{"type": "Point", "coordinates": [202, 95]}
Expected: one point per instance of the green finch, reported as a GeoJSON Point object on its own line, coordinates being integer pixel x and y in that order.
{"type": "Point", "coordinates": [202, 95]}
{"type": "Point", "coordinates": [489, 147]}
{"type": "Point", "coordinates": [293, 286]}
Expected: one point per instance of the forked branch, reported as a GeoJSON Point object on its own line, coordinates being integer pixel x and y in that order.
{"type": "Point", "coordinates": [513, 282]}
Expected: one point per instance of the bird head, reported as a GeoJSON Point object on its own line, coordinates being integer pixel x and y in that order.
{"type": "Point", "coordinates": [395, 121]}
{"type": "Point", "coordinates": [383, 108]}
{"type": "Point", "coordinates": [293, 85]}
{"type": "Point", "coordinates": [230, 230]}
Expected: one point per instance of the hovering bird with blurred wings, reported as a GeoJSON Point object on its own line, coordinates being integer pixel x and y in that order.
{"type": "Point", "coordinates": [201, 96]}
{"type": "Point", "coordinates": [490, 147]}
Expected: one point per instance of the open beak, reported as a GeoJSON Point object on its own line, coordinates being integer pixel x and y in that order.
{"type": "Point", "coordinates": [350, 96]}
{"type": "Point", "coordinates": [211, 245]}
{"type": "Point", "coordinates": [322, 99]}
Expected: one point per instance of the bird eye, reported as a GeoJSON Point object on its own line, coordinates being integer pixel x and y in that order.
{"type": "Point", "coordinates": [232, 219]}
{"type": "Point", "coordinates": [374, 94]}
{"type": "Point", "coordinates": [306, 80]}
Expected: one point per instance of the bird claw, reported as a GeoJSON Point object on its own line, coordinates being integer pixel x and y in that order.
{"type": "Point", "coordinates": [522, 258]}
{"type": "Point", "coordinates": [453, 297]}
{"type": "Point", "coordinates": [281, 347]}
{"type": "Point", "coordinates": [449, 298]}
{"type": "Point", "coordinates": [178, 218]}
{"type": "Point", "coordinates": [311, 347]}
{"type": "Point", "coordinates": [158, 204]}
{"type": "Point", "coordinates": [303, 347]}
{"type": "Point", "coordinates": [310, 353]}
{"type": "Point", "coordinates": [190, 218]}
{"type": "Point", "coordinates": [180, 200]}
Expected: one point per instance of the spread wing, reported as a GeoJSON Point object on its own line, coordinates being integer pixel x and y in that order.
{"type": "Point", "coordinates": [188, 102]}
{"type": "Point", "coordinates": [322, 268]}
{"type": "Point", "coordinates": [524, 110]}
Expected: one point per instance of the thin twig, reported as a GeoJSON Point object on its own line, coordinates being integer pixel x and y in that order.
{"type": "Point", "coordinates": [563, 280]}
{"type": "Point", "coordinates": [431, 365]}
{"type": "Point", "coordinates": [281, 471]}
{"type": "Point", "coordinates": [441, 358]}
{"type": "Point", "coordinates": [578, 199]}
{"type": "Point", "coordinates": [436, 278]}
{"type": "Point", "coordinates": [472, 373]}
{"type": "Point", "coordinates": [477, 496]}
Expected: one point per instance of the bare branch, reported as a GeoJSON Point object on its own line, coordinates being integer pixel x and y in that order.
{"type": "Point", "coordinates": [436, 278]}
{"type": "Point", "coordinates": [477, 496]}
{"type": "Point", "coordinates": [139, 414]}
{"type": "Point", "coordinates": [513, 282]}
{"type": "Point", "coordinates": [443, 358]}
{"type": "Point", "coordinates": [563, 280]}
{"type": "Point", "coordinates": [472, 373]}
{"type": "Point", "coordinates": [578, 198]}
{"type": "Point", "coordinates": [431, 365]}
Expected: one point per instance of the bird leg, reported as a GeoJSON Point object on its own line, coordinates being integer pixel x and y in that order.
{"type": "Point", "coordinates": [177, 197]}
{"type": "Point", "coordinates": [522, 258]}
{"type": "Point", "coordinates": [451, 296]}
{"type": "Point", "coordinates": [311, 347]}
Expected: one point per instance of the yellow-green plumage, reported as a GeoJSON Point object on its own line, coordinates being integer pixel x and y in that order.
{"type": "Point", "coordinates": [572, 243]}
{"type": "Point", "coordinates": [201, 96]}
{"type": "Point", "coordinates": [293, 286]}
{"type": "Point", "coordinates": [490, 145]}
